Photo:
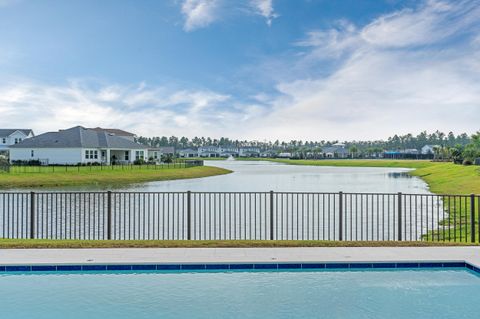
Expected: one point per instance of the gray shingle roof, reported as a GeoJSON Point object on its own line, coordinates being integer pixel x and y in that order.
{"type": "Point", "coordinates": [78, 137]}
{"type": "Point", "coordinates": [9, 131]}
{"type": "Point", "coordinates": [334, 149]}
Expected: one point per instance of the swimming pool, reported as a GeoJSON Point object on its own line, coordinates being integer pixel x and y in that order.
{"type": "Point", "coordinates": [443, 292]}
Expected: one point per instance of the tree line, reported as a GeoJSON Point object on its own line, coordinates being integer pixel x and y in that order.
{"type": "Point", "coordinates": [396, 142]}
{"type": "Point", "coordinates": [460, 148]}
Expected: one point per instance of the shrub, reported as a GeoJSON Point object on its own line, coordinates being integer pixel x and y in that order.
{"type": "Point", "coordinates": [467, 162]}
{"type": "Point", "coordinates": [139, 161]}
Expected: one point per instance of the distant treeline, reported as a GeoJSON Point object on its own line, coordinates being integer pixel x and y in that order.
{"type": "Point", "coordinates": [396, 142]}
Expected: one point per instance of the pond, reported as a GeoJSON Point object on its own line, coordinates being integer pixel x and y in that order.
{"type": "Point", "coordinates": [261, 176]}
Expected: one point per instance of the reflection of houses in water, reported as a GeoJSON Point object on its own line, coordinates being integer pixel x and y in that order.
{"type": "Point", "coordinates": [399, 175]}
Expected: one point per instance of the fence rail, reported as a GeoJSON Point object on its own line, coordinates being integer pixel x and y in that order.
{"type": "Point", "coordinates": [95, 167]}
{"type": "Point", "coordinates": [240, 216]}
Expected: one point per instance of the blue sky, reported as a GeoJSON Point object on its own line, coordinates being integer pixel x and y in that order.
{"type": "Point", "coordinates": [256, 69]}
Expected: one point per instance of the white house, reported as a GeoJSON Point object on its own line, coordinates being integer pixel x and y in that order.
{"type": "Point", "coordinates": [209, 151]}
{"type": "Point", "coordinates": [187, 153]}
{"type": "Point", "coordinates": [335, 151]}
{"type": "Point", "coordinates": [428, 149]}
{"type": "Point", "coordinates": [249, 151]}
{"type": "Point", "coordinates": [78, 145]}
{"type": "Point", "coordinates": [10, 137]}
{"type": "Point", "coordinates": [284, 155]}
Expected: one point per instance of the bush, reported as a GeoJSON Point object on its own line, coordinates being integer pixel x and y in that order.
{"type": "Point", "coordinates": [139, 161]}
{"type": "Point", "coordinates": [467, 162]}
{"type": "Point", "coordinates": [26, 163]}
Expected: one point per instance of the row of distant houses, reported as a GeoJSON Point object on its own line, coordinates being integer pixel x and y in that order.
{"type": "Point", "coordinates": [80, 145]}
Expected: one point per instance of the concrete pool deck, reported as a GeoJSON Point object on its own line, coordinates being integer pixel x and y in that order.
{"type": "Point", "coordinates": [470, 255]}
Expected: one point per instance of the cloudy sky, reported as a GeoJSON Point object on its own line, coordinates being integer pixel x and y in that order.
{"type": "Point", "coordinates": [256, 69]}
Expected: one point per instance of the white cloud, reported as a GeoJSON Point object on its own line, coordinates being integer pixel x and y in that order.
{"type": "Point", "coordinates": [397, 74]}
{"type": "Point", "coordinates": [199, 13]}
{"type": "Point", "coordinates": [265, 9]}
{"type": "Point", "coordinates": [142, 109]}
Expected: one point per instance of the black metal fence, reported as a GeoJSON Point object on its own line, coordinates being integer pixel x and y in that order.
{"type": "Point", "coordinates": [240, 216]}
{"type": "Point", "coordinates": [95, 167]}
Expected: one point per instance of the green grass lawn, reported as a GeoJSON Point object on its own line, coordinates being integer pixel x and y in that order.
{"type": "Point", "coordinates": [45, 243]}
{"type": "Point", "coordinates": [105, 177]}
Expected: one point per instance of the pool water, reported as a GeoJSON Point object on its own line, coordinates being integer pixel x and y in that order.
{"type": "Point", "coordinates": [242, 294]}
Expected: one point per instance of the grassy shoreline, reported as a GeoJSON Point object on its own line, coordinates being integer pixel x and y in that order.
{"type": "Point", "coordinates": [105, 177]}
{"type": "Point", "coordinates": [78, 244]}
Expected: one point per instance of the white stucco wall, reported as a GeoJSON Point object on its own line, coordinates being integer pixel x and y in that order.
{"type": "Point", "coordinates": [52, 155]}
{"type": "Point", "coordinates": [70, 156]}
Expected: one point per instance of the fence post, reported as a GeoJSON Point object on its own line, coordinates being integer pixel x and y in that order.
{"type": "Point", "coordinates": [472, 217]}
{"type": "Point", "coordinates": [399, 200]}
{"type": "Point", "coordinates": [340, 216]}
{"type": "Point", "coordinates": [109, 215]}
{"type": "Point", "coordinates": [32, 215]}
{"type": "Point", "coordinates": [189, 215]}
{"type": "Point", "coordinates": [271, 215]}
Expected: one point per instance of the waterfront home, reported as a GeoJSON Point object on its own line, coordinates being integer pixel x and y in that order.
{"type": "Point", "coordinates": [284, 155]}
{"type": "Point", "coordinates": [155, 153]}
{"type": "Point", "coordinates": [209, 151]}
{"type": "Point", "coordinates": [187, 153]}
{"type": "Point", "coordinates": [411, 153]}
{"type": "Point", "coordinates": [78, 145]}
{"type": "Point", "coordinates": [218, 151]}
{"type": "Point", "coordinates": [428, 149]}
{"type": "Point", "coordinates": [249, 151]}
{"type": "Point", "coordinates": [335, 151]}
{"type": "Point", "coordinates": [10, 137]}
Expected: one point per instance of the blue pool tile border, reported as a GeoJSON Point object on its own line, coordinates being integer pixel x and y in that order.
{"type": "Point", "coordinates": [238, 266]}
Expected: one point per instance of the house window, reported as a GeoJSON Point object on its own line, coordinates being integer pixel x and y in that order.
{"type": "Point", "coordinates": [91, 154]}
{"type": "Point", "coordinates": [4, 140]}
{"type": "Point", "coordinates": [17, 140]}
{"type": "Point", "coordinates": [32, 153]}
{"type": "Point", "coordinates": [139, 155]}
{"type": "Point", "coordinates": [127, 155]}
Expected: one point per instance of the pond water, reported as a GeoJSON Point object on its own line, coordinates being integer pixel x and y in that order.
{"type": "Point", "coordinates": [261, 176]}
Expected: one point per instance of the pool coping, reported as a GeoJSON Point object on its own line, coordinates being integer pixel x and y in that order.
{"type": "Point", "coordinates": [239, 258]}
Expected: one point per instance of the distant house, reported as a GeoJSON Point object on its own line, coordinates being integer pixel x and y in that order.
{"type": "Point", "coordinates": [156, 153]}
{"type": "Point", "coordinates": [187, 153]}
{"type": "Point", "coordinates": [209, 151]}
{"type": "Point", "coordinates": [284, 155]}
{"type": "Point", "coordinates": [249, 151]}
{"type": "Point", "coordinates": [335, 151]}
{"type": "Point", "coordinates": [268, 153]}
{"type": "Point", "coordinates": [428, 149]}
{"type": "Point", "coordinates": [411, 153]}
{"type": "Point", "coordinates": [78, 145]}
{"type": "Point", "coordinates": [10, 137]}
{"type": "Point", "coordinates": [226, 151]}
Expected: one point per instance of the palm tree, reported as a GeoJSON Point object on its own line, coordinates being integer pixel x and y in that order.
{"type": "Point", "coordinates": [353, 150]}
